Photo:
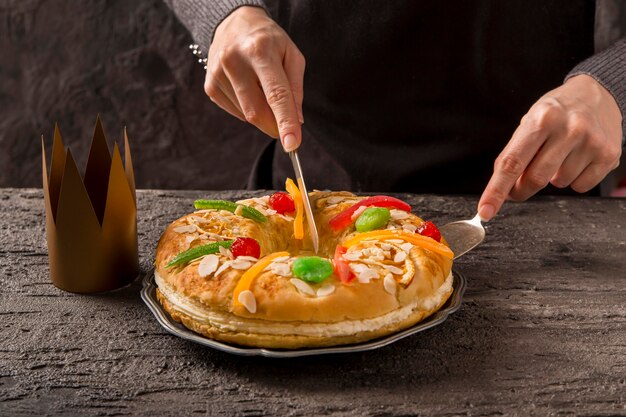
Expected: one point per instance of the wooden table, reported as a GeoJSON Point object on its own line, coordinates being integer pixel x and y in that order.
{"type": "Point", "coordinates": [542, 329]}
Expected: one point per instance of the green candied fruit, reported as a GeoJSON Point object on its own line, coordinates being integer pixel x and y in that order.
{"type": "Point", "coordinates": [215, 204]}
{"type": "Point", "coordinates": [312, 268]}
{"type": "Point", "coordinates": [372, 218]}
{"type": "Point", "coordinates": [246, 211]}
{"type": "Point", "coordinates": [194, 253]}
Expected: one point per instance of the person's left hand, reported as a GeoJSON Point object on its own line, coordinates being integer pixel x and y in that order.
{"type": "Point", "coordinates": [572, 137]}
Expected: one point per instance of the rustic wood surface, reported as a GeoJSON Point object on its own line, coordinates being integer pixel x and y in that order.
{"type": "Point", "coordinates": [542, 330]}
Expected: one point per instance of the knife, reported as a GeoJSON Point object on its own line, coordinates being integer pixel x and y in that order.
{"type": "Point", "coordinates": [293, 155]}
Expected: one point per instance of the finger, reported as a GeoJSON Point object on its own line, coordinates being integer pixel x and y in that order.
{"type": "Point", "coordinates": [252, 100]}
{"type": "Point", "coordinates": [217, 96]}
{"type": "Point", "coordinates": [229, 92]}
{"type": "Point", "coordinates": [279, 97]}
{"type": "Point", "coordinates": [294, 64]}
{"type": "Point", "coordinates": [543, 167]}
{"type": "Point", "coordinates": [589, 178]}
{"type": "Point", "coordinates": [571, 168]}
{"type": "Point", "coordinates": [218, 76]}
{"type": "Point", "coordinates": [509, 166]}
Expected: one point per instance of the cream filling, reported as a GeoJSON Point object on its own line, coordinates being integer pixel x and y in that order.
{"type": "Point", "coordinates": [231, 323]}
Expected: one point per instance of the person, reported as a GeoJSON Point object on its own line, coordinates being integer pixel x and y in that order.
{"type": "Point", "coordinates": [419, 96]}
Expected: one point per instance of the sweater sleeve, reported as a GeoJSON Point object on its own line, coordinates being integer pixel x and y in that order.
{"type": "Point", "coordinates": [202, 17]}
{"type": "Point", "coordinates": [609, 69]}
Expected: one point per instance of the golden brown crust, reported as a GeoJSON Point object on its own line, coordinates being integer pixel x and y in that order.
{"type": "Point", "coordinates": [293, 341]}
{"type": "Point", "coordinates": [277, 299]}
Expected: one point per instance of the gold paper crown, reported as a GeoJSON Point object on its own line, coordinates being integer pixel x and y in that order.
{"type": "Point", "coordinates": [91, 224]}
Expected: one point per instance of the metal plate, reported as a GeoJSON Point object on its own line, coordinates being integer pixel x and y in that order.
{"type": "Point", "coordinates": [148, 295]}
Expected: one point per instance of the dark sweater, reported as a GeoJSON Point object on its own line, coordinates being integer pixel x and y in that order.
{"type": "Point", "coordinates": [420, 96]}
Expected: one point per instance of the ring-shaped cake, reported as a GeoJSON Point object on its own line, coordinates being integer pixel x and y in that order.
{"type": "Point", "coordinates": [360, 286]}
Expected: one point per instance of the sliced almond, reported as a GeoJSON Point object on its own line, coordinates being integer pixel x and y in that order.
{"type": "Point", "coordinates": [407, 246]}
{"type": "Point", "coordinates": [367, 275]}
{"type": "Point", "coordinates": [240, 264]}
{"type": "Point", "coordinates": [262, 201]}
{"type": "Point", "coordinates": [400, 256]}
{"type": "Point", "coordinates": [247, 258]}
{"type": "Point", "coordinates": [208, 265]}
{"type": "Point", "coordinates": [335, 199]}
{"type": "Point", "coordinates": [247, 298]}
{"type": "Point", "coordinates": [281, 269]}
{"type": "Point", "coordinates": [352, 256]}
{"type": "Point", "coordinates": [375, 250]}
{"type": "Point", "coordinates": [302, 286]}
{"type": "Point", "coordinates": [198, 219]}
{"type": "Point", "coordinates": [399, 214]}
{"type": "Point", "coordinates": [239, 210]}
{"type": "Point", "coordinates": [222, 268]}
{"type": "Point", "coordinates": [357, 213]}
{"type": "Point", "coordinates": [270, 212]}
{"type": "Point", "coordinates": [189, 228]}
{"type": "Point", "coordinates": [409, 228]}
{"type": "Point", "coordinates": [358, 268]}
{"type": "Point", "coordinates": [325, 290]}
{"type": "Point", "coordinates": [371, 261]}
{"type": "Point", "coordinates": [376, 253]}
{"type": "Point", "coordinates": [390, 284]}
{"type": "Point", "coordinates": [225, 252]}
{"type": "Point", "coordinates": [394, 269]}
{"type": "Point", "coordinates": [410, 272]}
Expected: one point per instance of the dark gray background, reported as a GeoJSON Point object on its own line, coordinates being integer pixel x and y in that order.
{"type": "Point", "coordinates": [68, 60]}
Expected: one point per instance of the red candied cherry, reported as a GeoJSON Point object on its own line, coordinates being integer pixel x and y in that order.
{"type": "Point", "coordinates": [282, 203]}
{"type": "Point", "coordinates": [245, 246]}
{"type": "Point", "coordinates": [429, 229]}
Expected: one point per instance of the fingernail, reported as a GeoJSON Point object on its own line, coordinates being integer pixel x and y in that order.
{"type": "Point", "coordinates": [486, 212]}
{"type": "Point", "coordinates": [289, 142]}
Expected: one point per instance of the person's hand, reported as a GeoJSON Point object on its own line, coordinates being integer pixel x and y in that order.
{"type": "Point", "coordinates": [255, 72]}
{"type": "Point", "coordinates": [572, 137]}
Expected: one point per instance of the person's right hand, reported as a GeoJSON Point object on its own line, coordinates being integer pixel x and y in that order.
{"type": "Point", "coordinates": [255, 72]}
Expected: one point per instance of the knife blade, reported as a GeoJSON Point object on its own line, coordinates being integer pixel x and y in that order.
{"type": "Point", "coordinates": [293, 155]}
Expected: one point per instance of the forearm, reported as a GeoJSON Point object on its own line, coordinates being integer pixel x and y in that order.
{"type": "Point", "coordinates": [202, 17]}
{"type": "Point", "coordinates": [609, 69]}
